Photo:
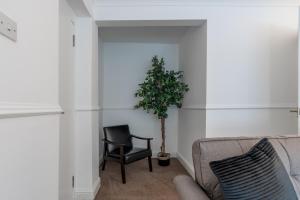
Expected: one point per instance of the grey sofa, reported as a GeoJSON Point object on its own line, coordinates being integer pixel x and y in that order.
{"type": "Point", "coordinates": [206, 186]}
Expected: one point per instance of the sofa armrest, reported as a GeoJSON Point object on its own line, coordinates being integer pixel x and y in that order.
{"type": "Point", "coordinates": [188, 189]}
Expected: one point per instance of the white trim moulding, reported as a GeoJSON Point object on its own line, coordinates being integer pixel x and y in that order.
{"type": "Point", "coordinates": [194, 107]}
{"type": "Point", "coordinates": [13, 110]}
{"type": "Point", "coordinates": [189, 167]}
{"type": "Point", "coordinates": [124, 108]}
{"type": "Point", "coordinates": [219, 107]}
{"type": "Point", "coordinates": [88, 108]}
{"type": "Point", "coordinates": [239, 107]}
{"type": "Point", "coordinates": [120, 108]}
{"type": "Point", "coordinates": [96, 186]}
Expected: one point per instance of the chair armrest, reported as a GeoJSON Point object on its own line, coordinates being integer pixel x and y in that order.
{"type": "Point", "coordinates": [141, 138]}
{"type": "Point", "coordinates": [188, 189]}
{"type": "Point", "coordinates": [113, 143]}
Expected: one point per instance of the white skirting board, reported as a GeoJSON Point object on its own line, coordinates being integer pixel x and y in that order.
{"type": "Point", "coordinates": [88, 195]}
{"type": "Point", "coordinates": [189, 167]}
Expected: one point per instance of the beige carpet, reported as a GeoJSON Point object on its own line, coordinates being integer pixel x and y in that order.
{"type": "Point", "coordinates": [141, 184]}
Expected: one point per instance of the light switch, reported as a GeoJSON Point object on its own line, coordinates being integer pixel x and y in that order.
{"type": "Point", "coordinates": [8, 27]}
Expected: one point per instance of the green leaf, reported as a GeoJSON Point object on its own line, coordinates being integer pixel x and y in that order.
{"type": "Point", "coordinates": [161, 89]}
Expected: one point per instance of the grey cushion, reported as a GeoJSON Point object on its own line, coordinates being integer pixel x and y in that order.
{"type": "Point", "coordinates": [207, 150]}
{"type": "Point", "coordinates": [257, 174]}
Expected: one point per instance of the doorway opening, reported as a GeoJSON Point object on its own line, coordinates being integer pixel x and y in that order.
{"type": "Point", "coordinates": [125, 52]}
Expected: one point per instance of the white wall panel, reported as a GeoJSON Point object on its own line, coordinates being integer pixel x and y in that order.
{"type": "Point", "coordinates": [29, 146]}
{"type": "Point", "coordinates": [29, 67]}
{"type": "Point", "coordinates": [29, 158]}
{"type": "Point", "coordinates": [67, 100]}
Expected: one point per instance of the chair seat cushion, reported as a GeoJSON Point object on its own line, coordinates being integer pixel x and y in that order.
{"type": "Point", "coordinates": [131, 154]}
{"type": "Point", "coordinates": [258, 174]}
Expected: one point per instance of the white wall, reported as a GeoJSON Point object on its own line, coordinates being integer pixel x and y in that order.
{"type": "Point", "coordinates": [253, 84]}
{"type": "Point", "coordinates": [29, 158]}
{"type": "Point", "coordinates": [30, 98]}
{"type": "Point", "coordinates": [192, 116]}
{"type": "Point", "coordinates": [96, 126]}
{"type": "Point", "coordinates": [125, 66]}
{"type": "Point", "coordinates": [254, 45]}
{"type": "Point", "coordinates": [67, 99]}
{"type": "Point", "coordinates": [193, 56]}
{"type": "Point", "coordinates": [100, 99]}
{"type": "Point", "coordinates": [251, 61]}
{"type": "Point", "coordinates": [29, 146]}
{"type": "Point", "coordinates": [87, 181]}
{"type": "Point", "coordinates": [79, 98]}
{"type": "Point", "coordinates": [26, 61]}
{"type": "Point", "coordinates": [249, 50]}
{"type": "Point", "coordinates": [250, 122]}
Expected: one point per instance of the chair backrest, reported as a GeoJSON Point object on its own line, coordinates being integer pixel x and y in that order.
{"type": "Point", "coordinates": [207, 150]}
{"type": "Point", "coordinates": [118, 134]}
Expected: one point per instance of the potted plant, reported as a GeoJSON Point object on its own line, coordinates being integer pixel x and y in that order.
{"type": "Point", "coordinates": [160, 90]}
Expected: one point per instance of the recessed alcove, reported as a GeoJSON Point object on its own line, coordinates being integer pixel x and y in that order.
{"type": "Point", "coordinates": [126, 49]}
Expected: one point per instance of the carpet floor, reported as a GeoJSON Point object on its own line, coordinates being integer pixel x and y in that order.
{"type": "Point", "coordinates": [141, 184]}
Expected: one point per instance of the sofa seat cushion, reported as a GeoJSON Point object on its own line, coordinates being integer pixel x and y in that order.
{"type": "Point", "coordinates": [257, 174]}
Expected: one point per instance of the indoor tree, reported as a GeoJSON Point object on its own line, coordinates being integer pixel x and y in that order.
{"type": "Point", "coordinates": [160, 90]}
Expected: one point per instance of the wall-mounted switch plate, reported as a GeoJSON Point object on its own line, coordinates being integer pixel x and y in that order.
{"type": "Point", "coordinates": [8, 27]}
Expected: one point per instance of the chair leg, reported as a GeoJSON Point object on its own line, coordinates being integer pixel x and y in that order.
{"type": "Point", "coordinates": [104, 154]}
{"type": "Point", "coordinates": [123, 172]}
{"type": "Point", "coordinates": [150, 163]}
{"type": "Point", "coordinates": [103, 165]}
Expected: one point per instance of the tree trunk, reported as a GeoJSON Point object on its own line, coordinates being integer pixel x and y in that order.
{"type": "Point", "coordinates": [163, 136]}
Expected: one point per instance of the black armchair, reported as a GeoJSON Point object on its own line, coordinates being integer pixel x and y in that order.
{"type": "Point", "coordinates": [118, 147]}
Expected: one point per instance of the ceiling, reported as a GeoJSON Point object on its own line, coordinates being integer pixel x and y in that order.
{"type": "Point", "coordinates": [151, 23]}
{"type": "Point", "coordinates": [142, 34]}
{"type": "Point", "coordinates": [206, 2]}
{"type": "Point", "coordinates": [146, 34]}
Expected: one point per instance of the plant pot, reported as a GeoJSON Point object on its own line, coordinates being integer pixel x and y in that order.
{"type": "Point", "coordinates": [163, 159]}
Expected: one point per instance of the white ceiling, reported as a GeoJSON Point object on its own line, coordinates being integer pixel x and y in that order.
{"type": "Point", "coordinates": [151, 23]}
{"type": "Point", "coordinates": [206, 2]}
{"type": "Point", "coordinates": [142, 34]}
